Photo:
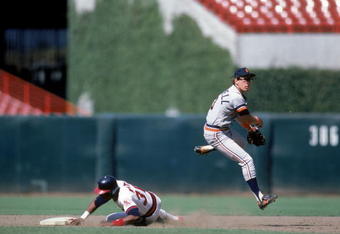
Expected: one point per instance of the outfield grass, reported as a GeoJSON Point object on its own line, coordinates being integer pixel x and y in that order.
{"type": "Point", "coordinates": [177, 204]}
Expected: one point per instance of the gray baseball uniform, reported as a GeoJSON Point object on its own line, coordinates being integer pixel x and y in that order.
{"type": "Point", "coordinates": [217, 131]}
{"type": "Point", "coordinates": [229, 105]}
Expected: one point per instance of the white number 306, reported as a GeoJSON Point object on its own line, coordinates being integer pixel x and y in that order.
{"type": "Point", "coordinates": [323, 135]}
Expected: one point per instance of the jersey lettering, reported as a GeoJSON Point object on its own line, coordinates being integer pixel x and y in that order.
{"type": "Point", "coordinates": [226, 107]}
{"type": "Point", "coordinates": [224, 96]}
{"type": "Point", "coordinates": [140, 194]}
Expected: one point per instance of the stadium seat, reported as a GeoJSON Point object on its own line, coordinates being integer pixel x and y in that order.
{"type": "Point", "coordinates": [278, 16]}
{"type": "Point", "coordinates": [18, 97]}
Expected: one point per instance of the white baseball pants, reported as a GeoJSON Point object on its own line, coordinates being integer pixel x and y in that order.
{"type": "Point", "coordinates": [230, 145]}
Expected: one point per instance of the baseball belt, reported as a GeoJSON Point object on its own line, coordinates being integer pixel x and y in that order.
{"type": "Point", "coordinates": [215, 128]}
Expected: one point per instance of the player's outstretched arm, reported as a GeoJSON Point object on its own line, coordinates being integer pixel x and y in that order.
{"type": "Point", "coordinates": [97, 202]}
{"type": "Point", "coordinates": [91, 208]}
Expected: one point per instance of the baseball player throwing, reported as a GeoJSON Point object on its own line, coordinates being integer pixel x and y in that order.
{"type": "Point", "coordinates": [228, 106]}
{"type": "Point", "coordinates": [140, 207]}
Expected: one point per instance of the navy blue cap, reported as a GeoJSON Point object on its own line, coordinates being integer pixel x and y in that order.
{"type": "Point", "coordinates": [243, 72]}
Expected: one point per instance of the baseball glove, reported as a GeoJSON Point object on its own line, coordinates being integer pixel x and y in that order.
{"type": "Point", "coordinates": [256, 138]}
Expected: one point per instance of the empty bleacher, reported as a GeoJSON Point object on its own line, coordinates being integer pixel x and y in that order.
{"type": "Point", "coordinates": [278, 16]}
{"type": "Point", "coordinates": [18, 97]}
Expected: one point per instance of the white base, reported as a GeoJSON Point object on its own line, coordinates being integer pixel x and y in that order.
{"type": "Point", "coordinates": [56, 221]}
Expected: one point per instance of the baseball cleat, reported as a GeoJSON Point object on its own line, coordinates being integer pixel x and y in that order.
{"type": "Point", "coordinates": [204, 149]}
{"type": "Point", "coordinates": [266, 200]}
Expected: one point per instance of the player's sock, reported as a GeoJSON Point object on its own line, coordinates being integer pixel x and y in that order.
{"type": "Point", "coordinates": [255, 189]}
{"type": "Point", "coordinates": [115, 216]}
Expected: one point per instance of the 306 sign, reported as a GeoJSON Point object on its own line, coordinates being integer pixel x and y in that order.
{"type": "Point", "coordinates": [324, 135]}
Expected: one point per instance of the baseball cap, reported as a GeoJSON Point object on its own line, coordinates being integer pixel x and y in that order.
{"type": "Point", "coordinates": [243, 72]}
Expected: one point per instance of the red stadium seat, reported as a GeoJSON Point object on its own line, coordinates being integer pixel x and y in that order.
{"type": "Point", "coordinates": [291, 16]}
{"type": "Point", "coordinates": [18, 97]}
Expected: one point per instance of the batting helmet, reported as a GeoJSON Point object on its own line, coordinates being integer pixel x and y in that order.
{"type": "Point", "coordinates": [106, 184]}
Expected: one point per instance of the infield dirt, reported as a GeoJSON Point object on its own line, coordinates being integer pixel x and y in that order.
{"type": "Point", "coordinates": [308, 224]}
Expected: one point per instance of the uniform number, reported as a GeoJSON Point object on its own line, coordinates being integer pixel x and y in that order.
{"type": "Point", "coordinates": [323, 135]}
{"type": "Point", "coordinates": [140, 194]}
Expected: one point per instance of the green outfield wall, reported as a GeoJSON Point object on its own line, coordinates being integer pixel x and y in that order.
{"type": "Point", "coordinates": [306, 152]}
{"type": "Point", "coordinates": [54, 153]}
{"type": "Point", "coordinates": [160, 149]}
{"type": "Point", "coordinates": [68, 154]}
